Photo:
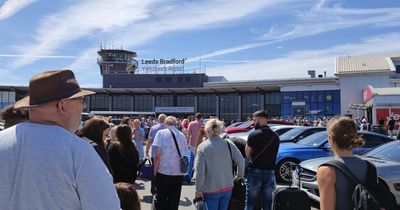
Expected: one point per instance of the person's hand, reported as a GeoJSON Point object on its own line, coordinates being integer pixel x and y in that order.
{"type": "Point", "coordinates": [199, 195]}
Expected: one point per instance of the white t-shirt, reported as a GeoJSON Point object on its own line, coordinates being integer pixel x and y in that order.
{"type": "Point", "coordinates": [170, 160]}
{"type": "Point", "coordinates": [47, 167]}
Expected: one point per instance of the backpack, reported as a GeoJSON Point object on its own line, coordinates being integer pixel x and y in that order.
{"type": "Point", "coordinates": [370, 195]}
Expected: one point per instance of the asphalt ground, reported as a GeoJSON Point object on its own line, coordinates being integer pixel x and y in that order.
{"type": "Point", "coordinates": [187, 195]}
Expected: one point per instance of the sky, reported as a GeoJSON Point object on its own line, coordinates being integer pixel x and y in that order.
{"type": "Point", "coordinates": [240, 40]}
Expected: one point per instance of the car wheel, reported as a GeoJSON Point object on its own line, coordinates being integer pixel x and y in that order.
{"type": "Point", "coordinates": [284, 169]}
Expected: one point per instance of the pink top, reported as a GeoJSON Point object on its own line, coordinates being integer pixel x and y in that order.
{"type": "Point", "coordinates": [226, 189]}
{"type": "Point", "coordinates": [193, 131]}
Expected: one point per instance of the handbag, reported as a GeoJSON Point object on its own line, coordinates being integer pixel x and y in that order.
{"type": "Point", "coordinates": [147, 169]}
{"type": "Point", "coordinates": [199, 204]}
{"type": "Point", "coordinates": [184, 161]}
{"type": "Point", "coordinates": [238, 196]}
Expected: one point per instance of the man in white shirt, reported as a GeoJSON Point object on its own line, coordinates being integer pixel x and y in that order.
{"type": "Point", "coordinates": [43, 164]}
{"type": "Point", "coordinates": [167, 171]}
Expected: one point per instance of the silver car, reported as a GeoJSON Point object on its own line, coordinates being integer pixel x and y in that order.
{"type": "Point", "coordinates": [386, 159]}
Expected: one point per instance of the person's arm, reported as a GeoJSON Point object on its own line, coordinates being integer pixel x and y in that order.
{"type": "Point", "coordinates": [157, 145]}
{"type": "Point", "coordinates": [200, 173]}
{"type": "Point", "coordinates": [326, 178]}
{"type": "Point", "coordinates": [157, 160]}
{"type": "Point", "coordinates": [248, 150]}
{"type": "Point", "coordinates": [189, 133]}
{"type": "Point", "coordinates": [150, 142]}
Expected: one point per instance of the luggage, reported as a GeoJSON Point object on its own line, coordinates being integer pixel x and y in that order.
{"type": "Point", "coordinates": [189, 174]}
{"type": "Point", "coordinates": [238, 197]}
{"type": "Point", "coordinates": [291, 198]}
{"type": "Point", "coordinates": [146, 169]}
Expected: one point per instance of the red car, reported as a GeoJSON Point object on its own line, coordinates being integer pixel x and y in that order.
{"type": "Point", "coordinates": [246, 126]}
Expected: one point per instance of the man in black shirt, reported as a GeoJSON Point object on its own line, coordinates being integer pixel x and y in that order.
{"type": "Point", "coordinates": [262, 148]}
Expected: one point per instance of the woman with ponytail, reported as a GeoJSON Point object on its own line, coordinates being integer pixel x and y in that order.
{"type": "Point", "coordinates": [334, 187]}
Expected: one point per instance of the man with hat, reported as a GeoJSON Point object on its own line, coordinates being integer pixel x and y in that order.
{"type": "Point", "coordinates": [262, 148]}
{"type": "Point", "coordinates": [43, 164]}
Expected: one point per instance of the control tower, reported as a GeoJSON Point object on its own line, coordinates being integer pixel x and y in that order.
{"type": "Point", "coordinates": [115, 61]}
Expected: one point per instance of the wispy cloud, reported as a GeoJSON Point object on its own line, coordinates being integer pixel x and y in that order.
{"type": "Point", "coordinates": [10, 7]}
{"type": "Point", "coordinates": [186, 17]}
{"type": "Point", "coordinates": [297, 63]}
{"type": "Point", "coordinates": [87, 19]}
{"type": "Point", "coordinates": [44, 56]}
{"type": "Point", "coordinates": [319, 19]}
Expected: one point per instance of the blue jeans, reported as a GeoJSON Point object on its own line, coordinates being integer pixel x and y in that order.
{"type": "Point", "coordinates": [260, 183]}
{"type": "Point", "coordinates": [217, 201]}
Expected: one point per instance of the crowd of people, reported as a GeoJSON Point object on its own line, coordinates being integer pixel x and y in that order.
{"type": "Point", "coordinates": [94, 165]}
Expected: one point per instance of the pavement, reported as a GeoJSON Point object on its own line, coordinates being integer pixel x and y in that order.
{"type": "Point", "coordinates": [187, 195]}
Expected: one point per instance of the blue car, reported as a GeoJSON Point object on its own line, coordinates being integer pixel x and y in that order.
{"type": "Point", "coordinates": [316, 146]}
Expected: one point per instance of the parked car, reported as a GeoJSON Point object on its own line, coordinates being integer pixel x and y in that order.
{"type": "Point", "coordinates": [236, 124]}
{"type": "Point", "coordinates": [248, 125]}
{"type": "Point", "coordinates": [277, 128]}
{"type": "Point", "coordinates": [296, 134]}
{"type": "Point", "coordinates": [316, 146]}
{"type": "Point", "coordinates": [386, 158]}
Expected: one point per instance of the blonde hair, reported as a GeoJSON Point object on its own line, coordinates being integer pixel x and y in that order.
{"type": "Point", "coordinates": [136, 122]}
{"type": "Point", "coordinates": [213, 127]}
{"type": "Point", "coordinates": [343, 131]}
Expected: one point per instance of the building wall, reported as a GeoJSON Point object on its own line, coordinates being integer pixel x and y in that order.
{"type": "Point", "coordinates": [351, 88]}
{"type": "Point", "coordinates": [153, 81]}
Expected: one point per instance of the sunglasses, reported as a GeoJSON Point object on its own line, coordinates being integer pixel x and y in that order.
{"type": "Point", "coordinates": [81, 99]}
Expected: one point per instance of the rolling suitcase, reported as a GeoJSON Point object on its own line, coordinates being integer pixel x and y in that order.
{"type": "Point", "coordinates": [291, 198]}
{"type": "Point", "coordinates": [189, 174]}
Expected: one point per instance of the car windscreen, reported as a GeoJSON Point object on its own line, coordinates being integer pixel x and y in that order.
{"type": "Point", "coordinates": [291, 134]}
{"type": "Point", "coordinates": [315, 139]}
{"type": "Point", "coordinates": [246, 124]}
{"type": "Point", "coordinates": [389, 151]}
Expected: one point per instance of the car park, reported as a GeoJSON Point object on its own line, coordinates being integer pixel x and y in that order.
{"type": "Point", "coordinates": [316, 146]}
{"type": "Point", "coordinates": [386, 158]}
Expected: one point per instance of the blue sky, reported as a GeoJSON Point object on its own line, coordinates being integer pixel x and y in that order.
{"type": "Point", "coordinates": [241, 40]}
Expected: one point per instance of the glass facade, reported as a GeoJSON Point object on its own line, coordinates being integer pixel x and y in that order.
{"type": "Point", "coordinates": [228, 106]}
{"type": "Point", "coordinates": [164, 100]}
{"type": "Point", "coordinates": [122, 103]}
{"type": "Point", "coordinates": [100, 102]}
{"type": "Point", "coordinates": [6, 98]}
{"type": "Point", "coordinates": [207, 104]}
{"type": "Point", "coordinates": [143, 103]}
{"type": "Point", "coordinates": [185, 101]}
{"type": "Point", "coordinates": [251, 102]}
{"type": "Point", "coordinates": [273, 104]}
{"type": "Point", "coordinates": [310, 104]}
{"type": "Point", "coordinates": [231, 106]}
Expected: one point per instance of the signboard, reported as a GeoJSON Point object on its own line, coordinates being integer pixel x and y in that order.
{"type": "Point", "coordinates": [160, 109]}
{"type": "Point", "coordinates": [298, 103]}
{"type": "Point", "coordinates": [384, 113]}
{"type": "Point", "coordinates": [368, 93]}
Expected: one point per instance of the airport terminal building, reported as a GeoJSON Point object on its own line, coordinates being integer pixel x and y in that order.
{"type": "Point", "coordinates": [165, 87]}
